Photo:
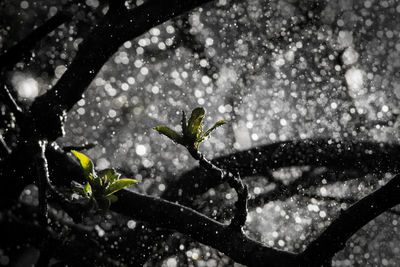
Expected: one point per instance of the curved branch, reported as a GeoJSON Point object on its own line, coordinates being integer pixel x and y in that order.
{"type": "Point", "coordinates": [334, 238]}
{"type": "Point", "coordinates": [102, 43]}
{"type": "Point", "coordinates": [365, 157]}
{"type": "Point", "coordinates": [240, 248]}
{"type": "Point", "coordinates": [17, 52]}
{"type": "Point", "coordinates": [246, 251]}
{"type": "Point", "coordinates": [173, 216]}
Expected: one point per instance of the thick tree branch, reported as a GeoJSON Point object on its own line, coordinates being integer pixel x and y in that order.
{"type": "Point", "coordinates": [334, 238]}
{"type": "Point", "coordinates": [234, 244]}
{"type": "Point", "coordinates": [202, 229]}
{"type": "Point", "coordinates": [364, 157]}
{"type": "Point", "coordinates": [339, 156]}
{"type": "Point", "coordinates": [308, 179]}
{"type": "Point", "coordinates": [75, 252]}
{"type": "Point", "coordinates": [17, 52]}
{"type": "Point", "coordinates": [102, 43]}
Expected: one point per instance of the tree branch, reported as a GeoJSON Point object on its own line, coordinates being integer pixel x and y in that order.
{"type": "Point", "coordinates": [334, 238]}
{"type": "Point", "coordinates": [102, 43]}
{"type": "Point", "coordinates": [234, 244]}
{"type": "Point", "coordinates": [234, 181]}
{"type": "Point", "coordinates": [10, 102]}
{"type": "Point", "coordinates": [42, 178]}
{"type": "Point", "coordinates": [202, 229]}
{"type": "Point", "coordinates": [365, 157]}
{"type": "Point", "coordinates": [4, 149]}
{"type": "Point", "coordinates": [17, 52]}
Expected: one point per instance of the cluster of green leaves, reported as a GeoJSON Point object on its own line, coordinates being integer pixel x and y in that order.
{"type": "Point", "coordinates": [100, 186]}
{"type": "Point", "coordinates": [192, 130]}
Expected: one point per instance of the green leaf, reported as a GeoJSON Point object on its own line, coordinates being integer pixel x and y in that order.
{"type": "Point", "coordinates": [87, 190]}
{"type": "Point", "coordinates": [96, 184]}
{"type": "Point", "coordinates": [171, 134]}
{"type": "Point", "coordinates": [194, 128]}
{"type": "Point", "coordinates": [112, 198]}
{"type": "Point", "coordinates": [86, 163]}
{"type": "Point", "coordinates": [216, 125]}
{"type": "Point", "coordinates": [118, 185]}
{"type": "Point", "coordinates": [109, 175]}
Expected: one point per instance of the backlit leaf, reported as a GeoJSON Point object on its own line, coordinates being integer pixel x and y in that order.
{"type": "Point", "coordinates": [109, 175]}
{"type": "Point", "coordinates": [171, 134]}
{"type": "Point", "coordinates": [118, 185]}
{"type": "Point", "coordinates": [86, 163]}
{"type": "Point", "coordinates": [194, 124]}
{"type": "Point", "coordinates": [216, 125]}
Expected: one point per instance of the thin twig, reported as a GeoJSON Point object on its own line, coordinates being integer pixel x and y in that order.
{"type": "Point", "coordinates": [235, 182]}
{"type": "Point", "coordinates": [4, 149]}
{"type": "Point", "coordinates": [42, 178]}
{"type": "Point", "coordinates": [11, 102]}
{"type": "Point", "coordinates": [79, 148]}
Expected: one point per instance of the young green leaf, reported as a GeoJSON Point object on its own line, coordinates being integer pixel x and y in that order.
{"type": "Point", "coordinates": [112, 198]}
{"type": "Point", "coordinates": [87, 190]}
{"type": "Point", "coordinates": [194, 123]}
{"type": "Point", "coordinates": [109, 175]}
{"type": "Point", "coordinates": [171, 134]}
{"type": "Point", "coordinates": [118, 185]}
{"type": "Point", "coordinates": [86, 163]}
{"type": "Point", "coordinates": [96, 184]}
{"type": "Point", "coordinates": [216, 125]}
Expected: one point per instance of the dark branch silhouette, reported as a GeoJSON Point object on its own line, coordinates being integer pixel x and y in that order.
{"type": "Point", "coordinates": [175, 211]}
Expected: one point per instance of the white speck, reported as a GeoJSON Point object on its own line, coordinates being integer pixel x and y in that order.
{"type": "Point", "coordinates": [59, 71]}
{"type": "Point", "coordinates": [350, 56]}
{"type": "Point", "coordinates": [355, 80]}
{"type": "Point", "coordinates": [161, 187]}
{"type": "Point", "coordinates": [131, 80]}
{"type": "Point", "coordinates": [170, 29]}
{"type": "Point", "coordinates": [171, 262]}
{"type": "Point", "coordinates": [131, 224]}
{"type": "Point", "coordinates": [345, 39]}
{"type": "Point", "coordinates": [144, 71]}
{"type": "Point", "coordinates": [205, 79]}
{"type": "Point", "coordinates": [209, 42]}
{"type": "Point", "coordinates": [280, 62]}
{"type": "Point", "coordinates": [99, 230]}
{"type": "Point", "coordinates": [27, 87]}
{"type": "Point", "coordinates": [155, 89]}
{"type": "Point", "coordinates": [141, 150]}
{"type": "Point", "coordinates": [155, 31]}
{"type": "Point", "coordinates": [24, 4]}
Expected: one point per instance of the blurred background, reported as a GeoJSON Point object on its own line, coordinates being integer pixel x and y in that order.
{"type": "Point", "coordinates": [275, 70]}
